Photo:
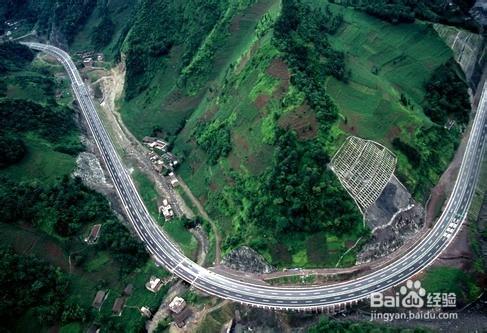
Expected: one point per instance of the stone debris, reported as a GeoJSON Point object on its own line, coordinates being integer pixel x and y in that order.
{"type": "Point", "coordinates": [247, 260]}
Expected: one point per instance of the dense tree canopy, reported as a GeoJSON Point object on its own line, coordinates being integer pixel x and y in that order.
{"type": "Point", "coordinates": [425, 151]}
{"type": "Point", "coordinates": [54, 123]}
{"type": "Point", "coordinates": [158, 26]}
{"type": "Point", "coordinates": [215, 139]}
{"type": "Point", "coordinates": [447, 95]}
{"type": "Point", "coordinates": [125, 248]}
{"type": "Point", "coordinates": [299, 193]}
{"type": "Point", "coordinates": [406, 11]}
{"type": "Point", "coordinates": [12, 150]}
{"type": "Point", "coordinates": [14, 57]}
{"type": "Point", "coordinates": [28, 282]}
{"type": "Point", "coordinates": [102, 33]}
{"type": "Point", "coordinates": [69, 204]}
{"type": "Point", "coordinates": [66, 16]}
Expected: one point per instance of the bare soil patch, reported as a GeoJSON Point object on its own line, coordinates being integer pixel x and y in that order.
{"type": "Point", "coordinates": [458, 254]}
{"type": "Point", "coordinates": [278, 69]}
{"type": "Point", "coordinates": [351, 125]}
{"type": "Point", "coordinates": [302, 120]}
{"type": "Point", "coordinates": [210, 112]}
{"type": "Point", "coordinates": [241, 142]}
{"type": "Point", "coordinates": [393, 133]}
{"type": "Point", "coordinates": [261, 101]}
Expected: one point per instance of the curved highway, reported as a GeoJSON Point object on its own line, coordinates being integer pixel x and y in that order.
{"type": "Point", "coordinates": [278, 297]}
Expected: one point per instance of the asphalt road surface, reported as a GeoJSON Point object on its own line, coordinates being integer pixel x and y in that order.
{"type": "Point", "coordinates": [166, 253]}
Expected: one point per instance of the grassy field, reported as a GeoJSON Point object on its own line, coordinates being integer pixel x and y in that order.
{"type": "Point", "coordinates": [214, 321]}
{"type": "Point", "coordinates": [385, 61]}
{"type": "Point", "coordinates": [451, 280]}
{"type": "Point", "coordinates": [42, 163]}
{"type": "Point", "coordinates": [314, 250]}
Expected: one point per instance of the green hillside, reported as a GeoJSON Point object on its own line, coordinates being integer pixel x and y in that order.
{"type": "Point", "coordinates": [259, 96]}
{"type": "Point", "coordinates": [106, 28]}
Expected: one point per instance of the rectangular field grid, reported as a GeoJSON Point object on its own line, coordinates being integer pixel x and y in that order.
{"type": "Point", "coordinates": [364, 168]}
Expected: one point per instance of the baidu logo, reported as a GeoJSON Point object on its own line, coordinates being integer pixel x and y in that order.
{"type": "Point", "coordinates": [413, 295]}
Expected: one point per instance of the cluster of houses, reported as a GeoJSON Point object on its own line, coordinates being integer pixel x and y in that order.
{"type": "Point", "coordinates": [90, 57]}
{"type": "Point", "coordinates": [178, 308]}
{"type": "Point", "coordinates": [164, 162]}
{"type": "Point", "coordinates": [162, 159]}
{"type": "Point", "coordinates": [11, 27]}
{"type": "Point", "coordinates": [154, 285]}
{"type": "Point", "coordinates": [118, 304]}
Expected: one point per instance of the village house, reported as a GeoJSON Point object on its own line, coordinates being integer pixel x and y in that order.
{"type": "Point", "coordinates": [88, 62]}
{"type": "Point", "coordinates": [94, 234]}
{"type": "Point", "coordinates": [173, 180]}
{"type": "Point", "coordinates": [129, 289]}
{"type": "Point", "coordinates": [177, 304]}
{"type": "Point", "coordinates": [155, 143]}
{"type": "Point", "coordinates": [154, 284]}
{"type": "Point", "coordinates": [170, 160]}
{"type": "Point", "coordinates": [166, 210]}
{"type": "Point", "coordinates": [180, 312]}
{"type": "Point", "coordinates": [145, 311]}
{"type": "Point", "coordinates": [100, 297]}
{"type": "Point", "coordinates": [118, 306]}
{"type": "Point", "coordinates": [93, 329]}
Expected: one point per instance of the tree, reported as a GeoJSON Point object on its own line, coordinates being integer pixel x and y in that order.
{"type": "Point", "coordinates": [12, 150]}
{"type": "Point", "coordinates": [447, 95]}
{"type": "Point", "coordinates": [28, 282]}
{"type": "Point", "coordinates": [124, 247]}
{"type": "Point", "coordinates": [103, 32]}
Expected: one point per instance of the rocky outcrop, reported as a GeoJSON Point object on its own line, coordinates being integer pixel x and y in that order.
{"type": "Point", "coordinates": [468, 50]}
{"type": "Point", "coordinates": [479, 12]}
{"type": "Point", "coordinates": [394, 218]}
{"type": "Point", "coordinates": [89, 170]}
{"type": "Point", "coordinates": [389, 237]}
{"type": "Point", "coordinates": [247, 260]}
{"type": "Point", "coordinates": [394, 197]}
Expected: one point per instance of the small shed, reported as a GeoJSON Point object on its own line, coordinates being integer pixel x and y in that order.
{"type": "Point", "coordinates": [118, 306]}
{"type": "Point", "coordinates": [100, 297]}
{"type": "Point", "coordinates": [129, 289]}
{"type": "Point", "coordinates": [94, 234]}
